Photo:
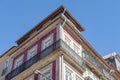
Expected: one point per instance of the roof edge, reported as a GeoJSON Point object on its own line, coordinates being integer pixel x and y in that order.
{"type": "Point", "coordinates": [59, 10]}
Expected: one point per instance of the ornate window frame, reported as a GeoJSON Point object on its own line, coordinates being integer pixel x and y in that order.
{"type": "Point", "coordinates": [32, 52]}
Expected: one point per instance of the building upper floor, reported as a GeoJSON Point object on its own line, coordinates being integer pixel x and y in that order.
{"type": "Point", "coordinates": [58, 31]}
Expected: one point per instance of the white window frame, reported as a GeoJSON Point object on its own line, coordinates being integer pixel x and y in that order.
{"type": "Point", "coordinates": [71, 73]}
{"type": "Point", "coordinates": [75, 48]}
{"type": "Point", "coordinates": [32, 52]}
{"type": "Point", "coordinates": [43, 76]}
{"type": "Point", "coordinates": [5, 67]}
{"type": "Point", "coordinates": [90, 74]}
{"type": "Point", "coordinates": [18, 61]}
{"type": "Point", "coordinates": [67, 40]}
{"type": "Point", "coordinates": [77, 77]}
{"type": "Point", "coordinates": [6, 64]}
{"type": "Point", "coordinates": [46, 75]}
{"type": "Point", "coordinates": [47, 41]}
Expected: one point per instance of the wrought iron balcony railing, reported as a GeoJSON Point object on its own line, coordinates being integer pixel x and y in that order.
{"type": "Point", "coordinates": [98, 65]}
{"type": "Point", "coordinates": [60, 44]}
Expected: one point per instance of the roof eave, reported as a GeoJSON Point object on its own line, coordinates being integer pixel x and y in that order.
{"type": "Point", "coordinates": [61, 9]}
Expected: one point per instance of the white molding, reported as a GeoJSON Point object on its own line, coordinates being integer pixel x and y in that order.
{"type": "Point", "coordinates": [44, 70]}
{"type": "Point", "coordinates": [17, 60]}
{"type": "Point", "coordinates": [31, 52]}
{"type": "Point", "coordinates": [50, 37]}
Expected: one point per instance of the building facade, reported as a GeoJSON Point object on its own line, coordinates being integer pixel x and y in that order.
{"type": "Point", "coordinates": [113, 59]}
{"type": "Point", "coordinates": [54, 50]}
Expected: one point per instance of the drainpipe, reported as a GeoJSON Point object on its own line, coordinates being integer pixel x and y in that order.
{"type": "Point", "coordinates": [61, 25]}
{"type": "Point", "coordinates": [65, 19]}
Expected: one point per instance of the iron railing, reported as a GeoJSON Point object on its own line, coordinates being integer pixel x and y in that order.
{"type": "Point", "coordinates": [60, 44]}
{"type": "Point", "coordinates": [98, 65]}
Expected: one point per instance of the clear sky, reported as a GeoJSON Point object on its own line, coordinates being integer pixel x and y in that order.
{"type": "Point", "coordinates": [100, 18]}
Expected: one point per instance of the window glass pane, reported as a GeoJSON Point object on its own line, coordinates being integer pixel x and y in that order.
{"type": "Point", "coordinates": [68, 74]}
{"type": "Point", "coordinates": [47, 42]}
{"type": "Point", "coordinates": [18, 62]}
{"type": "Point", "coordinates": [78, 78]}
{"type": "Point", "coordinates": [6, 64]}
{"type": "Point", "coordinates": [75, 48]}
{"type": "Point", "coordinates": [67, 40]}
{"type": "Point", "coordinates": [5, 68]}
{"type": "Point", "coordinates": [32, 52]}
{"type": "Point", "coordinates": [46, 75]}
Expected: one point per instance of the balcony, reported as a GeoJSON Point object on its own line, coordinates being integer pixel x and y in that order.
{"type": "Point", "coordinates": [98, 65]}
{"type": "Point", "coordinates": [57, 45]}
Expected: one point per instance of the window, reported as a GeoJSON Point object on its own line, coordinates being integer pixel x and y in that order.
{"type": "Point", "coordinates": [75, 48]}
{"type": "Point", "coordinates": [90, 75]}
{"type": "Point", "coordinates": [68, 74]}
{"type": "Point", "coordinates": [32, 52]}
{"type": "Point", "coordinates": [18, 61]}
{"type": "Point", "coordinates": [78, 78]}
{"type": "Point", "coordinates": [67, 40]}
{"type": "Point", "coordinates": [46, 75]}
{"type": "Point", "coordinates": [47, 42]}
{"type": "Point", "coordinates": [5, 68]}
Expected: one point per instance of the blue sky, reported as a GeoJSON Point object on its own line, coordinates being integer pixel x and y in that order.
{"type": "Point", "coordinates": [100, 18]}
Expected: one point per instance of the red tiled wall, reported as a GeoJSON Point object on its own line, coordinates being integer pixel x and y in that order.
{"type": "Point", "coordinates": [39, 46]}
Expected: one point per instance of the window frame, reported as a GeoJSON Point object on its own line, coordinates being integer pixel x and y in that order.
{"type": "Point", "coordinates": [77, 77]}
{"type": "Point", "coordinates": [75, 48]}
{"type": "Point", "coordinates": [67, 40]}
{"type": "Point", "coordinates": [21, 58]}
{"type": "Point", "coordinates": [47, 41]}
{"type": "Point", "coordinates": [44, 70]}
{"type": "Point", "coordinates": [73, 44]}
{"type": "Point", "coordinates": [32, 52]}
{"type": "Point", "coordinates": [71, 73]}
{"type": "Point", "coordinates": [45, 76]}
{"type": "Point", "coordinates": [5, 67]}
